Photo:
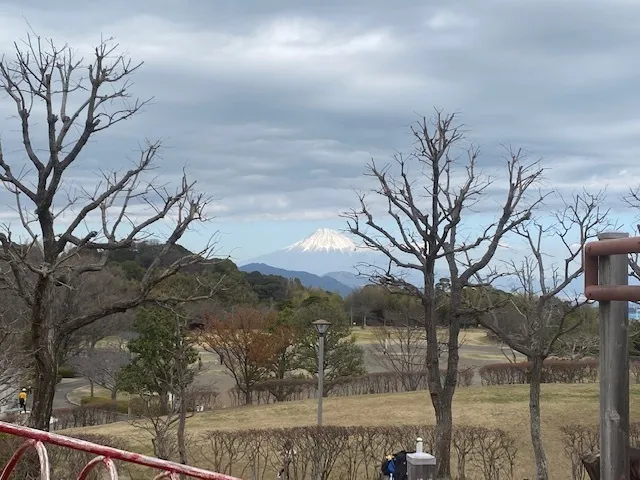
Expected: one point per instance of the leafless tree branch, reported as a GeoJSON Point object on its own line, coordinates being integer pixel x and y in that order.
{"type": "Point", "coordinates": [428, 195]}
{"type": "Point", "coordinates": [81, 98]}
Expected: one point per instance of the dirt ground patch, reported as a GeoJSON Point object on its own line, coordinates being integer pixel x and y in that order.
{"type": "Point", "coordinates": [503, 407]}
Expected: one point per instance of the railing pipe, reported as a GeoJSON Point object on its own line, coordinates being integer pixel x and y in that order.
{"type": "Point", "coordinates": [105, 455]}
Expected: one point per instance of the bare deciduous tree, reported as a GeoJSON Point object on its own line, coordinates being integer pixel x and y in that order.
{"type": "Point", "coordinates": [115, 330]}
{"type": "Point", "coordinates": [246, 345]}
{"type": "Point", "coordinates": [584, 341]}
{"type": "Point", "coordinates": [428, 207]}
{"type": "Point", "coordinates": [13, 359]}
{"type": "Point", "coordinates": [402, 347]}
{"type": "Point", "coordinates": [101, 367]}
{"type": "Point", "coordinates": [76, 100]}
{"type": "Point", "coordinates": [543, 316]}
{"type": "Point", "coordinates": [402, 350]}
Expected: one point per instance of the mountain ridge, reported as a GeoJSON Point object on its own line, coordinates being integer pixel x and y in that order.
{"type": "Point", "coordinates": [307, 279]}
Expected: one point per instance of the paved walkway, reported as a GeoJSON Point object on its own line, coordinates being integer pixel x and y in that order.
{"type": "Point", "coordinates": [65, 386]}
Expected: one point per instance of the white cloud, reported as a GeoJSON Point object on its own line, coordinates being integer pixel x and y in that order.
{"type": "Point", "coordinates": [275, 107]}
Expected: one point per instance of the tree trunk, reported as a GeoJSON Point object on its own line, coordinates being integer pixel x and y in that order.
{"type": "Point", "coordinates": [163, 397]}
{"type": "Point", "coordinates": [114, 394]}
{"type": "Point", "coordinates": [444, 428]}
{"type": "Point", "coordinates": [160, 447]}
{"type": "Point", "coordinates": [248, 396]}
{"type": "Point", "coordinates": [182, 421]}
{"type": "Point", "coordinates": [534, 413]}
{"type": "Point", "coordinates": [442, 397]}
{"type": "Point", "coordinates": [91, 389]}
{"type": "Point", "coordinates": [46, 373]}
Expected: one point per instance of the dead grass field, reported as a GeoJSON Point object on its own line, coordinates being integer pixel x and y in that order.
{"type": "Point", "coordinates": [471, 337]}
{"type": "Point", "coordinates": [503, 407]}
{"type": "Point", "coordinates": [498, 357]}
{"type": "Point", "coordinates": [75, 396]}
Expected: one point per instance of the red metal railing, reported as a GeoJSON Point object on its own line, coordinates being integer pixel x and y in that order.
{"type": "Point", "coordinates": [104, 456]}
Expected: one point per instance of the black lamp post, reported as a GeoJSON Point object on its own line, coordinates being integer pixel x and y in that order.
{"type": "Point", "coordinates": [321, 327]}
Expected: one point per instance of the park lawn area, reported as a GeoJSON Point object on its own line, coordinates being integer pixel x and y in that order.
{"type": "Point", "coordinates": [471, 336]}
{"type": "Point", "coordinates": [100, 394]}
{"type": "Point", "coordinates": [489, 357]}
{"type": "Point", "coordinates": [503, 407]}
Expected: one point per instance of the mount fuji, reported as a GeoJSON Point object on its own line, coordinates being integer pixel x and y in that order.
{"type": "Point", "coordinates": [325, 254]}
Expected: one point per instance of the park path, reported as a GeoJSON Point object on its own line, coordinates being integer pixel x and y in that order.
{"type": "Point", "coordinates": [66, 386]}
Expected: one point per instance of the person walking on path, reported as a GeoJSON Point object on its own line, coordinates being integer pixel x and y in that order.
{"type": "Point", "coordinates": [22, 399]}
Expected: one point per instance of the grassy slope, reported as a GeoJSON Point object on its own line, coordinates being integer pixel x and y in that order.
{"type": "Point", "coordinates": [471, 337]}
{"type": "Point", "coordinates": [504, 407]}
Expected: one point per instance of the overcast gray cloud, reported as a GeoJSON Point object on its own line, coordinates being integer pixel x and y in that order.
{"type": "Point", "coordinates": [276, 106]}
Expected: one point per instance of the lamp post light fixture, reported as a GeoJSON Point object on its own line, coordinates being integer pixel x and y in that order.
{"type": "Point", "coordinates": [321, 327]}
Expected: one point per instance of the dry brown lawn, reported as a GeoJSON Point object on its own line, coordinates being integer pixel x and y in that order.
{"type": "Point", "coordinates": [503, 407]}
{"type": "Point", "coordinates": [471, 337]}
{"type": "Point", "coordinates": [489, 357]}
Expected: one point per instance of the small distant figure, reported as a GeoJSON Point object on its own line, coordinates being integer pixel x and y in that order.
{"type": "Point", "coordinates": [22, 399]}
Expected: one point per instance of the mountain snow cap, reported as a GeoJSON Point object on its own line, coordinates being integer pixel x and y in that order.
{"type": "Point", "coordinates": [325, 240]}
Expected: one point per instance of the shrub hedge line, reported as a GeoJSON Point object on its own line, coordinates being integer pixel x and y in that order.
{"type": "Point", "coordinates": [343, 453]}
{"type": "Point", "coordinates": [580, 440]}
{"type": "Point", "coordinates": [291, 389]}
{"type": "Point", "coordinates": [81, 416]}
{"type": "Point", "coordinates": [553, 371]}
{"type": "Point", "coordinates": [346, 453]}
{"type": "Point", "coordinates": [66, 372]}
{"type": "Point", "coordinates": [122, 406]}
{"type": "Point", "coordinates": [64, 462]}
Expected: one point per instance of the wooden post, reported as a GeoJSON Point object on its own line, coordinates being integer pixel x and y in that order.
{"type": "Point", "coordinates": [614, 369]}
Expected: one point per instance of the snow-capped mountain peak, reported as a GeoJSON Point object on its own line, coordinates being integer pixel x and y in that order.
{"type": "Point", "coordinates": [325, 240]}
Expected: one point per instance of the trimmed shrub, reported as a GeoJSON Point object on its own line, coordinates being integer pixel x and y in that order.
{"type": "Point", "coordinates": [292, 389]}
{"type": "Point", "coordinates": [146, 407]}
{"type": "Point", "coordinates": [580, 440]}
{"type": "Point", "coordinates": [86, 416]}
{"type": "Point", "coordinates": [553, 371]}
{"type": "Point", "coordinates": [66, 372]}
{"type": "Point", "coordinates": [347, 453]}
{"type": "Point", "coordinates": [122, 406]}
{"type": "Point", "coordinates": [64, 462]}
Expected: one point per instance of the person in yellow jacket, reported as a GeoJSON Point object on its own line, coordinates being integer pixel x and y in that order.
{"type": "Point", "coordinates": [22, 399]}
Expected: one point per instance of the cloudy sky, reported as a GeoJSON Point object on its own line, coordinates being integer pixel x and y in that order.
{"type": "Point", "coordinates": [276, 106]}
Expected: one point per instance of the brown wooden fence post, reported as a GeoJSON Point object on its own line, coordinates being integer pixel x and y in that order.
{"type": "Point", "coordinates": [614, 368]}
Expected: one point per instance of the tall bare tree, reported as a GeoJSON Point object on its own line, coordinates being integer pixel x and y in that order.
{"type": "Point", "coordinates": [76, 101]}
{"type": "Point", "coordinates": [429, 208]}
{"type": "Point", "coordinates": [402, 350]}
{"type": "Point", "coordinates": [543, 315]}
